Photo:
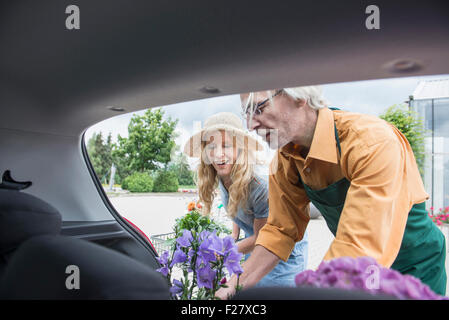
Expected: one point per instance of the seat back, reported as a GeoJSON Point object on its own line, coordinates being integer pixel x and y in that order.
{"type": "Point", "coordinates": [23, 216]}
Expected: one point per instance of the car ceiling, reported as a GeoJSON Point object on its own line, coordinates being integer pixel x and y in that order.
{"type": "Point", "coordinates": [138, 54]}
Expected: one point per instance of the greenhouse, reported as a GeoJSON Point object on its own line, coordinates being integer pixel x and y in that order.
{"type": "Point", "coordinates": [431, 101]}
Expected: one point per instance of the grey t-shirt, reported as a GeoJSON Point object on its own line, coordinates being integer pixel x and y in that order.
{"type": "Point", "coordinates": [257, 204]}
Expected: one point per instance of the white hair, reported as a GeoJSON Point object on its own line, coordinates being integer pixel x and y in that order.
{"type": "Point", "coordinates": [311, 94]}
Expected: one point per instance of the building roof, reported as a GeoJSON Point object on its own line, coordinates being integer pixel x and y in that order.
{"type": "Point", "coordinates": [432, 89]}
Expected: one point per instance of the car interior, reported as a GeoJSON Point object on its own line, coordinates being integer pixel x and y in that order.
{"type": "Point", "coordinates": [127, 56]}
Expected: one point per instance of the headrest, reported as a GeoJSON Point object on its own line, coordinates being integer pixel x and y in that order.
{"type": "Point", "coordinates": [23, 216]}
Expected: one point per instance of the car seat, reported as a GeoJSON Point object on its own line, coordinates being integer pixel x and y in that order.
{"type": "Point", "coordinates": [22, 216]}
{"type": "Point", "coordinates": [35, 261]}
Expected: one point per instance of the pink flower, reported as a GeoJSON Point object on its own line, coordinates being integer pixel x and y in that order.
{"type": "Point", "coordinates": [439, 223]}
{"type": "Point", "coordinates": [351, 274]}
{"type": "Point", "coordinates": [431, 208]}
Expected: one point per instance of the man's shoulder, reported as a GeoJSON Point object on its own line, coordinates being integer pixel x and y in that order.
{"type": "Point", "coordinates": [366, 129]}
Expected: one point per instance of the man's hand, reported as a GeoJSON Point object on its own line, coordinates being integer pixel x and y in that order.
{"type": "Point", "coordinates": [260, 263]}
{"type": "Point", "coordinates": [225, 293]}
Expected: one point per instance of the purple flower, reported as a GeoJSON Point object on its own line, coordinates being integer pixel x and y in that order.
{"type": "Point", "coordinates": [178, 257]}
{"type": "Point", "coordinates": [232, 262]}
{"type": "Point", "coordinates": [205, 277]}
{"type": "Point", "coordinates": [365, 274]}
{"type": "Point", "coordinates": [204, 235]}
{"type": "Point", "coordinates": [163, 259]}
{"type": "Point", "coordinates": [186, 239]}
{"type": "Point", "coordinates": [217, 245]}
{"type": "Point", "coordinates": [204, 254]}
{"type": "Point", "coordinates": [307, 277]}
{"type": "Point", "coordinates": [228, 244]}
{"type": "Point", "coordinates": [177, 287]}
{"type": "Point", "coordinates": [164, 270]}
{"type": "Point", "coordinates": [206, 251]}
{"type": "Point", "coordinates": [363, 263]}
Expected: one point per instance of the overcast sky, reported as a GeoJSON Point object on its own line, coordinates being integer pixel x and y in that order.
{"type": "Point", "coordinates": [369, 97]}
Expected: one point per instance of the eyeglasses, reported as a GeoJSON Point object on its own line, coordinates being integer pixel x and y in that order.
{"type": "Point", "coordinates": [257, 109]}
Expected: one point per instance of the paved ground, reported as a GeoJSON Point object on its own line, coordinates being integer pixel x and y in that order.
{"type": "Point", "coordinates": [320, 239]}
{"type": "Point", "coordinates": [153, 214]}
{"type": "Point", "coordinates": [156, 214]}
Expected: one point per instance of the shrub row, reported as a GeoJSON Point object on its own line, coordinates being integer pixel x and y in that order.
{"type": "Point", "coordinates": [162, 181]}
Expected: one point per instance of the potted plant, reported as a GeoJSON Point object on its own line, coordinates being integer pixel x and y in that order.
{"type": "Point", "coordinates": [365, 274]}
{"type": "Point", "coordinates": [198, 261]}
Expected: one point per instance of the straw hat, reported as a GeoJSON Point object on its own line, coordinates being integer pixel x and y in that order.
{"type": "Point", "coordinates": [226, 121]}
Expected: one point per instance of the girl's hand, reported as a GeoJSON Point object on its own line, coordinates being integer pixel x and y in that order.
{"type": "Point", "coordinates": [235, 231]}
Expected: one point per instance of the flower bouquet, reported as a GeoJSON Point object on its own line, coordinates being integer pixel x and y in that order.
{"type": "Point", "coordinates": [199, 260]}
{"type": "Point", "coordinates": [195, 221]}
{"type": "Point", "coordinates": [365, 274]}
{"type": "Point", "coordinates": [202, 258]}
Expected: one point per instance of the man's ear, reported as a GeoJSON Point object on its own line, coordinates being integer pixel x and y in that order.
{"type": "Point", "coordinates": [301, 102]}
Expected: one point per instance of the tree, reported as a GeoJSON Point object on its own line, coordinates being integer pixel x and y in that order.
{"type": "Point", "coordinates": [181, 167]}
{"type": "Point", "coordinates": [150, 142]}
{"type": "Point", "coordinates": [411, 126]}
{"type": "Point", "coordinates": [100, 156]}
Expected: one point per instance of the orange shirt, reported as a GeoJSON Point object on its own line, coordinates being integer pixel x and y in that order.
{"type": "Point", "coordinates": [384, 184]}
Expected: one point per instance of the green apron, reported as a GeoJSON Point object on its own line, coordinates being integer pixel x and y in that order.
{"type": "Point", "coordinates": [423, 249]}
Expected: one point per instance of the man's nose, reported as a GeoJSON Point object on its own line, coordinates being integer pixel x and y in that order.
{"type": "Point", "coordinates": [252, 122]}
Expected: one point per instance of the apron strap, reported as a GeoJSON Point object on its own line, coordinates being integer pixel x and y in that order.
{"type": "Point", "coordinates": [336, 133]}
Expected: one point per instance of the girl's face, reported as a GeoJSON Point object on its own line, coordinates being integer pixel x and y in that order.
{"type": "Point", "coordinates": [221, 152]}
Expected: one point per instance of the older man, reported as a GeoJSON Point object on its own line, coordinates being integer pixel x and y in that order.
{"type": "Point", "coordinates": [361, 174]}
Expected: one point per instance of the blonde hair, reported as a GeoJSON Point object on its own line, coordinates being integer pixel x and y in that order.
{"type": "Point", "coordinates": [241, 175]}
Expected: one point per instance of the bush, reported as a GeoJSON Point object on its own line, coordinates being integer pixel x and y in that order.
{"type": "Point", "coordinates": [138, 182]}
{"type": "Point", "coordinates": [166, 181]}
{"type": "Point", "coordinates": [411, 126]}
{"type": "Point", "coordinates": [124, 183]}
{"type": "Point", "coordinates": [186, 178]}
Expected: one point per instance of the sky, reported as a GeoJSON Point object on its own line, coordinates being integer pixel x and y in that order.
{"type": "Point", "coordinates": [369, 97]}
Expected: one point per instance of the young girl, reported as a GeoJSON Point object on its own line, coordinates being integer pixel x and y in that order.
{"type": "Point", "coordinates": [227, 161]}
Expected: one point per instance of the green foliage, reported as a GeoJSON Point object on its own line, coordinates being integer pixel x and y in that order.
{"type": "Point", "coordinates": [124, 184]}
{"type": "Point", "coordinates": [102, 154]}
{"type": "Point", "coordinates": [121, 165]}
{"type": "Point", "coordinates": [411, 126]}
{"type": "Point", "coordinates": [99, 151]}
{"type": "Point", "coordinates": [181, 167]}
{"type": "Point", "coordinates": [138, 182]}
{"type": "Point", "coordinates": [166, 181]}
{"type": "Point", "coordinates": [195, 222]}
{"type": "Point", "coordinates": [150, 142]}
